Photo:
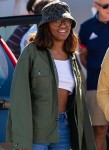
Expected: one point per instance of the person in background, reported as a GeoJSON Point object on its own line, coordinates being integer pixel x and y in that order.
{"type": "Point", "coordinates": [37, 7]}
{"type": "Point", "coordinates": [83, 14]}
{"type": "Point", "coordinates": [29, 6]}
{"type": "Point", "coordinates": [50, 96]}
{"type": "Point", "coordinates": [94, 42]}
{"type": "Point", "coordinates": [103, 86]}
{"type": "Point", "coordinates": [15, 38]}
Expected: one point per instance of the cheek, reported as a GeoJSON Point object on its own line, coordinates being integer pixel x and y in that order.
{"type": "Point", "coordinates": [53, 31]}
{"type": "Point", "coordinates": [69, 30]}
{"type": "Point", "coordinates": [105, 15]}
{"type": "Point", "coordinates": [51, 27]}
{"type": "Point", "coordinates": [103, 12]}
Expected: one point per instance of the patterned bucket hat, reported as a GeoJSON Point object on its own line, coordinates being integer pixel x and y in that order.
{"type": "Point", "coordinates": [56, 10]}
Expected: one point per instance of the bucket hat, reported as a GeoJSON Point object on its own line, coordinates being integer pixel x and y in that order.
{"type": "Point", "coordinates": [54, 11]}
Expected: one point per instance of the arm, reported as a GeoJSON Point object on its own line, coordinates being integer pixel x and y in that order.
{"type": "Point", "coordinates": [83, 45]}
{"type": "Point", "coordinates": [19, 126]}
{"type": "Point", "coordinates": [103, 86]}
{"type": "Point", "coordinates": [83, 56]}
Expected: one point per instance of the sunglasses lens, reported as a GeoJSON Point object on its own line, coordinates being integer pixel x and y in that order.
{"type": "Point", "coordinates": [105, 6]}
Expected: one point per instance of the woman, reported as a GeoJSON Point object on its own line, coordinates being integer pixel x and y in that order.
{"type": "Point", "coordinates": [47, 109]}
{"type": "Point", "coordinates": [103, 86]}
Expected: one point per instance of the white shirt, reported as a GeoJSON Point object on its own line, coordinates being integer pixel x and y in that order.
{"type": "Point", "coordinates": [66, 79]}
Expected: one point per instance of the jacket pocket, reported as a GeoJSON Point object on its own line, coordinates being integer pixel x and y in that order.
{"type": "Point", "coordinates": [40, 114]}
{"type": "Point", "coordinates": [40, 79]}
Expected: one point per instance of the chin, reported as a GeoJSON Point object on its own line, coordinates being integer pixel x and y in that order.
{"type": "Point", "coordinates": [62, 39]}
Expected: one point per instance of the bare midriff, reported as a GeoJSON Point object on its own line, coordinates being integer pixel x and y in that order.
{"type": "Point", "coordinates": [62, 97]}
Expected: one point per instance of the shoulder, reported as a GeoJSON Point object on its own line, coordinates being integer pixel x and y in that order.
{"type": "Point", "coordinates": [31, 44]}
{"type": "Point", "coordinates": [31, 48]}
{"type": "Point", "coordinates": [106, 59]}
{"type": "Point", "coordinates": [29, 51]}
{"type": "Point", "coordinates": [89, 22]}
{"type": "Point", "coordinates": [86, 28]}
{"type": "Point", "coordinates": [107, 53]}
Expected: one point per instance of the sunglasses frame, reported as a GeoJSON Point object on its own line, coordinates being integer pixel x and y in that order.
{"type": "Point", "coordinates": [104, 6]}
{"type": "Point", "coordinates": [58, 24]}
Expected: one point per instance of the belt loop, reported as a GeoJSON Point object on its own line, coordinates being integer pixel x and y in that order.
{"type": "Point", "coordinates": [66, 115]}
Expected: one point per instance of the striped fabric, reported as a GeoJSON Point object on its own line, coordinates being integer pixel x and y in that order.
{"type": "Point", "coordinates": [14, 40]}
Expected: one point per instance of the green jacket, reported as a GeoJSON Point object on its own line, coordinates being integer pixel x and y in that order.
{"type": "Point", "coordinates": [33, 114]}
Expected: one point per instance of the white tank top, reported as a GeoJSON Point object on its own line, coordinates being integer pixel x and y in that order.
{"type": "Point", "coordinates": [66, 79]}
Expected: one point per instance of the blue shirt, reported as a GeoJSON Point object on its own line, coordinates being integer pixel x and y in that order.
{"type": "Point", "coordinates": [94, 35]}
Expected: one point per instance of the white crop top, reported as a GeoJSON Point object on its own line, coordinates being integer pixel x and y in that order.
{"type": "Point", "coordinates": [66, 79]}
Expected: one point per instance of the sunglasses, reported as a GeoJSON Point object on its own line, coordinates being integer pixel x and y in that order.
{"type": "Point", "coordinates": [104, 6]}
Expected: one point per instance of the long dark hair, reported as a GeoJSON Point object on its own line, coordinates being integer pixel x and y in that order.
{"type": "Point", "coordinates": [43, 39]}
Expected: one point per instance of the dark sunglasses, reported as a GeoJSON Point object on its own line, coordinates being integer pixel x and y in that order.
{"type": "Point", "coordinates": [104, 6]}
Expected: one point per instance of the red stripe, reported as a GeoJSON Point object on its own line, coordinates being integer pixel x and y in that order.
{"type": "Point", "coordinates": [8, 51]}
{"type": "Point", "coordinates": [82, 46]}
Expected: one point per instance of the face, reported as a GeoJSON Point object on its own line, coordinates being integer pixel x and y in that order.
{"type": "Point", "coordinates": [103, 8]}
{"type": "Point", "coordinates": [60, 29]}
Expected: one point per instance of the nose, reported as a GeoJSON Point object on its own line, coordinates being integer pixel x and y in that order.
{"type": "Point", "coordinates": [62, 24]}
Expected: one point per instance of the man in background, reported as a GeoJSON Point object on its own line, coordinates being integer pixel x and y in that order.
{"type": "Point", "coordinates": [81, 10]}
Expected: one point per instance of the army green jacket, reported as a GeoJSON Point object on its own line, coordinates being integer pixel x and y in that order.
{"type": "Point", "coordinates": [33, 114]}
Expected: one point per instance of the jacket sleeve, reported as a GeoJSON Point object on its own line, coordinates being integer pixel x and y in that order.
{"type": "Point", "coordinates": [103, 86]}
{"type": "Point", "coordinates": [19, 126]}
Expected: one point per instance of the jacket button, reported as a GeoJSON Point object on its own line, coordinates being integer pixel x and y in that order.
{"type": "Point", "coordinates": [56, 119]}
{"type": "Point", "coordinates": [16, 145]}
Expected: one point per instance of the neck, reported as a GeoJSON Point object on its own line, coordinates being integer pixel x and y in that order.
{"type": "Point", "coordinates": [58, 52]}
{"type": "Point", "coordinates": [57, 47]}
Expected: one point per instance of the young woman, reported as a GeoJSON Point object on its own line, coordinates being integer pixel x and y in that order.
{"type": "Point", "coordinates": [47, 109]}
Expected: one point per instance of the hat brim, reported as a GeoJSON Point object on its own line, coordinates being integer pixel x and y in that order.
{"type": "Point", "coordinates": [65, 15]}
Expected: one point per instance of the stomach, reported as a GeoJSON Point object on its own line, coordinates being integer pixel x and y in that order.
{"type": "Point", "coordinates": [62, 99]}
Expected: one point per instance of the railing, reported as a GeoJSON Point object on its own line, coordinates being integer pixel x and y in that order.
{"type": "Point", "coordinates": [19, 20]}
